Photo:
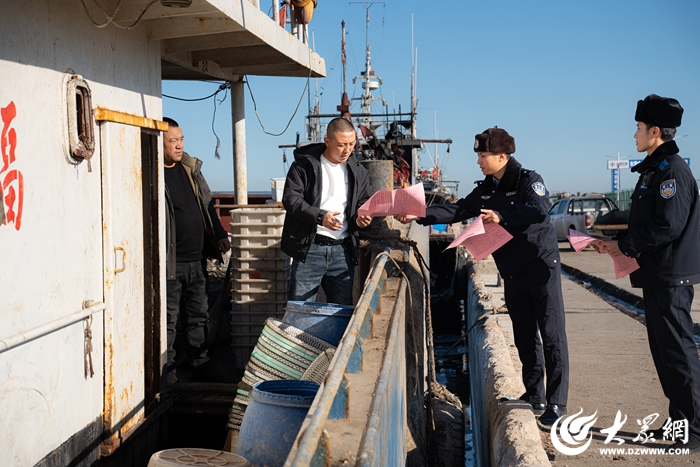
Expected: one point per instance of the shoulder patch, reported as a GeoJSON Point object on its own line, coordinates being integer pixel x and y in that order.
{"type": "Point", "coordinates": [538, 188]}
{"type": "Point", "coordinates": [668, 188]}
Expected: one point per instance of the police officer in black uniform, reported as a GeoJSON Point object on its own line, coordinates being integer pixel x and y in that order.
{"type": "Point", "coordinates": [518, 200]}
{"type": "Point", "coordinates": [664, 236]}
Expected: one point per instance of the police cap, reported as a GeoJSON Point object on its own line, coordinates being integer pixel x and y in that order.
{"type": "Point", "coordinates": [494, 140]}
{"type": "Point", "coordinates": [664, 112]}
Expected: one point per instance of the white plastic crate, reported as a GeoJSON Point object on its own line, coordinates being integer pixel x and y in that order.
{"type": "Point", "coordinates": [248, 320]}
{"type": "Point", "coordinates": [255, 241]}
{"type": "Point", "coordinates": [277, 188]}
{"type": "Point", "coordinates": [261, 264]}
{"type": "Point", "coordinates": [280, 274]}
{"type": "Point", "coordinates": [249, 289]}
{"type": "Point", "coordinates": [260, 275]}
{"type": "Point", "coordinates": [253, 219]}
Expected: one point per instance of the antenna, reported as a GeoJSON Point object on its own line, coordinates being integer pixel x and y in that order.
{"type": "Point", "coordinates": [371, 81]}
{"type": "Point", "coordinates": [436, 137]}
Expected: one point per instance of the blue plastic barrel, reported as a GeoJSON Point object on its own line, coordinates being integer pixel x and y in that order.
{"type": "Point", "coordinates": [272, 421]}
{"type": "Point", "coordinates": [327, 321]}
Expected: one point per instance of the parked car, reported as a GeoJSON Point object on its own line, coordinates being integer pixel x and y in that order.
{"type": "Point", "coordinates": [610, 224]}
{"type": "Point", "coordinates": [581, 213]}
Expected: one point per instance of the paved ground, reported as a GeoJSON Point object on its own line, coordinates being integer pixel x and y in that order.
{"type": "Point", "coordinates": [591, 262]}
{"type": "Point", "coordinates": [611, 371]}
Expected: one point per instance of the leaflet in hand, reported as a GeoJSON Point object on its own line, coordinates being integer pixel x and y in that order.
{"type": "Point", "coordinates": [410, 201]}
{"type": "Point", "coordinates": [481, 239]}
{"type": "Point", "coordinates": [623, 265]}
{"type": "Point", "coordinates": [579, 240]}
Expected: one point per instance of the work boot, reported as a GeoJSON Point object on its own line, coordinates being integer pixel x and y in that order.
{"type": "Point", "coordinates": [553, 413]}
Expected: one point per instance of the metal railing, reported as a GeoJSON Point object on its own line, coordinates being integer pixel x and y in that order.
{"type": "Point", "coordinates": [348, 355]}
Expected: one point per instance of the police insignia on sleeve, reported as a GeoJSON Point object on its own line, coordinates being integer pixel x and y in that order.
{"type": "Point", "coordinates": [668, 188]}
{"type": "Point", "coordinates": [538, 188]}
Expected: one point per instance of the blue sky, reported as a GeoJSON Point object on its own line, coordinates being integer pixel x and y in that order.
{"type": "Point", "coordinates": [562, 77]}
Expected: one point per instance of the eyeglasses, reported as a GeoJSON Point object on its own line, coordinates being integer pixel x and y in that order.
{"type": "Point", "coordinates": [175, 140]}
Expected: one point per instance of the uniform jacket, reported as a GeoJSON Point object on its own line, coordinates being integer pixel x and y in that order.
{"type": "Point", "coordinates": [302, 200]}
{"type": "Point", "coordinates": [522, 200]}
{"type": "Point", "coordinates": [664, 223]}
{"type": "Point", "coordinates": [213, 231]}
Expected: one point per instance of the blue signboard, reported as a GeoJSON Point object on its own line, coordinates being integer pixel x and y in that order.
{"type": "Point", "coordinates": [634, 162]}
{"type": "Point", "coordinates": [615, 180]}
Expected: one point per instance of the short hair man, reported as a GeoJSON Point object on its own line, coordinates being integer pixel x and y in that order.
{"type": "Point", "coordinates": [517, 199]}
{"type": "Point", "coordinates": [324, 188]}
{"type": "Point", "coordinates": [193, 233]}
{"type": "Point", "coordinates": [664, 236]}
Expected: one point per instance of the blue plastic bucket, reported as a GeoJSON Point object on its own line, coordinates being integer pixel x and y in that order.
{"type": "Point", "coordinates": [327, 321]}
{"type": "Point", "coordinates": [272, 421]}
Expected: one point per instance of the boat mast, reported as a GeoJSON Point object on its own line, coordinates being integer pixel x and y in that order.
{"type": "Point", "coordinates": [371, 81]}
{"type": "Point", "coordinates": [344, 107]}
{"type": "Point", "coordinates": [414, 103]}
{"type": "Point", "coordinates": [313, 125]}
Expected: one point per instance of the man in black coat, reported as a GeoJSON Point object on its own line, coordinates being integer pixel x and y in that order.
{"type": "Point", "coordinates": [664, 236]}
{"type": "Point", "coordinates": [518, 200]}
{"type": "Point", "coordinates": [193, 233]}
{"type": "Point", "coordinates": [324, 188]}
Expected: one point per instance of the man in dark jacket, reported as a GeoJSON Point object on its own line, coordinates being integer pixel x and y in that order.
{"type": "Point", "coordinates": [664, 236]}
{"type": "Point", "coordinates": [193, 233]}
{"type": "Point", "coordinates": [324, 188]}
{"type": "Point", "coordinates": [517, 199]}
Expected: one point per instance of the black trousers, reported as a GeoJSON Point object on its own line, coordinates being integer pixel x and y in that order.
{"type": "Point", "coordinates": [187, 301]}
{"type": "Point", "coordinates": [670, 331]}
{"type": "Point", "coordinates": [535, 303]}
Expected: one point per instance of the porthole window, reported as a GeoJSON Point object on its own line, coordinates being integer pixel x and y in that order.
{"type": "Point", "coordinates": [81, 123]}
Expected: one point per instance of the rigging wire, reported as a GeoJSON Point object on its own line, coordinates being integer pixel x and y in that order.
{"type": "Point", "coordinates": [327, 80]}
{"type": "Point", "coordinates": [110, 19]}
{"type": "Point", "coordinates": [213, 119]}
{"type": "Point", "coordinates": [301, 98]}
{"type": "Point", "coordinates": [222, 87]}
{"type": "Point", "coordinates": [255, 107]}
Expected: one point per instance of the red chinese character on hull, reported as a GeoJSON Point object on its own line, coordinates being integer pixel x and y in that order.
{"type": "Point", "coordinates": [11, 180]}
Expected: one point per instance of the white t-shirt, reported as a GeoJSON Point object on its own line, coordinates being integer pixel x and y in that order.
{"type": "Point", "coordinates": [334, 195]}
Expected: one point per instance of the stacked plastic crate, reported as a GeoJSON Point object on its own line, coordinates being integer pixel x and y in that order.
{"type": "Point", "coordinates": [260, 275]}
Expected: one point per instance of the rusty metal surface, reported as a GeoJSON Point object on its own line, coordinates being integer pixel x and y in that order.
{"type": "Point", "coordinates": [381, 174]}
{"type": "Point", "coordinates": [384, 442]}
{"type": "Point", "coordinates": [360, 429]}
{"type": "Point", "coordinates": [308, 442]}
{"type": "Point", "coordinates": [59, 250]}
{"type": "Point", "coordinates": [124, 284]}
{"type": "Point", "coordinates": [106, 115]}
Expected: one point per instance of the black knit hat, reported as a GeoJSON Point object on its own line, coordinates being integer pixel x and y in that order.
{"type": "Point", "coordinates": [494, 140]}
{"type": "Point", "coordinates": [664, 112]}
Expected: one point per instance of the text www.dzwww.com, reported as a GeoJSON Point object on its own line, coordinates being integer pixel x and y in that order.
{"type": "Point", "coordinates": [644, 451]}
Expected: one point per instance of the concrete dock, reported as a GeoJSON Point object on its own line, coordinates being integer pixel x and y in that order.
{"type": "Point", "coordinates": [611, 371]}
